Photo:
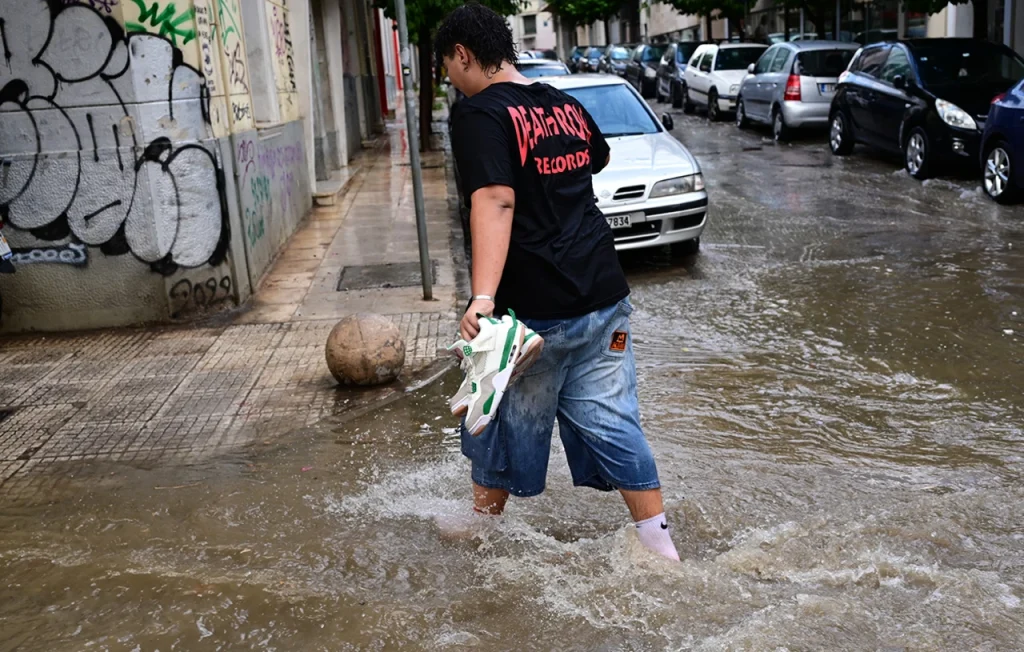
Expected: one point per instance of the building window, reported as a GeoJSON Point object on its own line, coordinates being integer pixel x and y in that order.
{"type": "Point", "coordinates": [529, 25]}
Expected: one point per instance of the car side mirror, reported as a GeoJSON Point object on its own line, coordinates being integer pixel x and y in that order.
{"type": "Point", "coordinates": [667, 122]}
{"type": "Point", "coordinates": [750, 69]}
{"type": "Point", "coordinates": [899, 81]}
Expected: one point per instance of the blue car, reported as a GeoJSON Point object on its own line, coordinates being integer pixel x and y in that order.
{"type": "Point", "coordinates": [1002, 147]}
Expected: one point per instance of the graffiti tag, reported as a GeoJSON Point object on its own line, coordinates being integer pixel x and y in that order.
{"type": "Point", "coordinates": [185, 294]}
{"type": "Point", "coordinates": [171, 23]}
{"type": "Point", "coordinates": [73, 254]}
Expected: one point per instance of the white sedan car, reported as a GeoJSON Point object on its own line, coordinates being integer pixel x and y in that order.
{"type": "Point", "coordinates": [652, 193]}
{"type": "Point", "coordinates": [713, 76]}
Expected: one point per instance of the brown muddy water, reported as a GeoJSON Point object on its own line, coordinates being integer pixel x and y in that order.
{"type": "Point", "coordinates": [833, 393]}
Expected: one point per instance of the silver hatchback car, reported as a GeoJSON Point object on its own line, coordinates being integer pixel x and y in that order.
{"type": "Point", "coordinates": [792, 84]}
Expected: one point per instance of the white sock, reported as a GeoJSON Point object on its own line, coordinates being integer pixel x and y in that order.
{"type": "Point", "coordinates": [654, 534]}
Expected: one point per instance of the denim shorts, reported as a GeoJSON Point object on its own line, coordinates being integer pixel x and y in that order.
{"type": "Point", "coordinates": [585, 378]}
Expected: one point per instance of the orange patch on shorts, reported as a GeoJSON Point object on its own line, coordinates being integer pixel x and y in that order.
{"type": "Point", "coordinates": [618, 341]}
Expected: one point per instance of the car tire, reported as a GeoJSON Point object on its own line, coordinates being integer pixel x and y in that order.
{"type": "Point", "coordinates": [685, 248]}
{"type": "Point", "coordinates": [840, 135]}
{"type": "Point", "coordinates": [917, 154]}
{"type": "Point", "coordinates": [997, 174]}
{"type": "Point", "coordinates": [677, 97]}
{"type": "Point", "coordinates": [688, 106]}
{"type": "Point", "coordinates": [741, 114]}
{"type": "Point", "coordinates": [714, 115]}
{"type": "Point", "coordinates": [780, 132]}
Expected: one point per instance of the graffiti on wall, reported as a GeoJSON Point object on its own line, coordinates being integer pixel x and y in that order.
{"type": "Point", "coordinates": [72, 253]}
{"type": "Point", "coordinates": [188, 296]}
{"type": "Point", "coordinates": [102, 139]}
{"type": "Point", "coordinates": [177, 25]}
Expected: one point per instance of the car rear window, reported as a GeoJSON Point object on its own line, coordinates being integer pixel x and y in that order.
{"type": "Point", "coordinates": [823, 63]}
{"type": "Point", "coordinates": [737, 58]}
{"type": "Point", "coordinates": [685, 50]}
{"type": "Point", "coordinates": [871, 59]}
{"type": "Point", "coordinates": [654, 52]}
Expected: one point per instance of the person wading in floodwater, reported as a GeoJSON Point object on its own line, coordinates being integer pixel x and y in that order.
{"type": "Point", "coordinates": [526, 153]}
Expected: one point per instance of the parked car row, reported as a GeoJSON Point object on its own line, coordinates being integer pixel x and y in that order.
{"type": "Point", "coordinates": [942, 104]}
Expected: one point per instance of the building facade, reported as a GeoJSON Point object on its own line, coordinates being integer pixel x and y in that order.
{"type": "Point", "coordinates": [154, 157]}
{"type": "Point", "coordinates": [533, 28]}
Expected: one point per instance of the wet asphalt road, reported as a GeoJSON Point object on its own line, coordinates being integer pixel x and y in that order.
{"type": "Point", "coordinates": [832, 389]}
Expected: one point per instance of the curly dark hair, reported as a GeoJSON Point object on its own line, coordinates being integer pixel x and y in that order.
{"type": "Point", "coordinates": [481, 31]}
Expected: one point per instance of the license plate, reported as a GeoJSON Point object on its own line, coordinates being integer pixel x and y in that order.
{"type": "Point", "coordinates": [620, 221]}
{"type": "Point", "coordinates": [5, 249]}
{"type": "Point", "coordinates": [826, 88]}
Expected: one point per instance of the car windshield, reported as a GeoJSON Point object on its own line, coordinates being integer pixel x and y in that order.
{"type": "Point", "coordinates": [654, 52]}
{"type": "Point", "coordinates": [616, 110]}
{"type": "Point", "coordinates": [579, 50]}
{"type": "Point", "coordinates": [970, 61]}
{"type": "Point", "coordinates": [685, 50]}
{"type": "Point", "coordinates": [543, 71]}
{"type": "Point", "coordinates": [594, 53]}
{"type": "Point", "coordinates": [620, 54]}
{"type": "Point", "coordinates": [737, 58]}
{"type": "Point", "coordinates": [823, 63]}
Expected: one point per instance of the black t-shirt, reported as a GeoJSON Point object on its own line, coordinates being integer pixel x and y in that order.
{"type": "Point", "coordinates": [544, 145]}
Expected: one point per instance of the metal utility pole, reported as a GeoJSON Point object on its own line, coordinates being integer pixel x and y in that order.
{"type": "Point", "coordinates": [414, 147]}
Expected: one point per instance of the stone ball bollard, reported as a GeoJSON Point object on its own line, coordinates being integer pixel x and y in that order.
{"type": "Point", "coordinates": [365, 349]}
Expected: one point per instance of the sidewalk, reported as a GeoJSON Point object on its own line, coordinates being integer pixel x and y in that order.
{"type": "Point", "coordinates": [181, 394]}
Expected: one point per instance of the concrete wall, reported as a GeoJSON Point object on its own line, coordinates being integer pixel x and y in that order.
{"type": "Point", "coordinates": [121, 179]}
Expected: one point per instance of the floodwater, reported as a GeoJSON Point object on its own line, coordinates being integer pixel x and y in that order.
{"type": "Point", "coordinates": [833, 390]}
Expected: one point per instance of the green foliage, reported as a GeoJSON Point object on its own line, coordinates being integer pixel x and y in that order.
{"type": "Point", "coordinates": [584, 12]}
{"type": "Point", "coordinates": [424, 16]}
{"type": "Point", "coordinates": [730, 8]}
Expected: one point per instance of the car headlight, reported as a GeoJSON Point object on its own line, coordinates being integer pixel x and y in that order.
{"type": "Point", "coordinates": [650, 73]}
{"type": "Point", "coordinates": [735, 88]}
{"type": "Point", "coordinates": [678, 186]}
{"type": "Point", "coordinates": [954, 116]}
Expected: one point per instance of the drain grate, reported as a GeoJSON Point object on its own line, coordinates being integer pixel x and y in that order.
{"type": "Point", "coordinates": [390, 275]}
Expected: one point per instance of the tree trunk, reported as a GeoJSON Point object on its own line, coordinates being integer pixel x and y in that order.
{"type": "Point", "coordinates": [426, 46]}
{"type": "Point", "coordinates": [707, 27]}
{"type": "Point", "coordinates": [981, 19]}
{"type": "Point", "coordinates": [607, 31]}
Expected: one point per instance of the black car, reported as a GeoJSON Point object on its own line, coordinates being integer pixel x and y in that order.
{"type": "Point", "coordinates": [926, 98]}
{"type": "Point", "coordinates": [574, 59]}
{"type": "Point", "coordinates": [670, 84]}
{"type": "Point", "coordinates": [590, 60]}
{"type": "Point", "coordinates": [642, 68]}
{"type": "Point", "coordinates": [614, 59]}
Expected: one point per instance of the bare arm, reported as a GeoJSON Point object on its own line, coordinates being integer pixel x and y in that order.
{"type": "Point", "coordinates": [490, 222]}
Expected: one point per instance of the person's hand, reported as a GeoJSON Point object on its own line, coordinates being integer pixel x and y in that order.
{"type": "Point", "coordinates": [469, 327]}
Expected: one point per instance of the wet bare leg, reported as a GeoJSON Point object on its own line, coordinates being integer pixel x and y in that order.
{"type": "Point", "coordinates": [643, 504]}
{"type": "Point", "coordinates": [489, 501]}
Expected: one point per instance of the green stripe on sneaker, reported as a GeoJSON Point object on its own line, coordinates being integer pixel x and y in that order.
{"type": "Point", "coordinates": [488, 402]}
{"type": "Point", "coordinates": [509, 341]}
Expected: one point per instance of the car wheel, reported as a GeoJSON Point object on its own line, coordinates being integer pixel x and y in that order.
{"type": "Point", "coordinates": [741, 114]}
{"type": "Point", "coordinates": [688, 106]}
{"type": "Point", "coordinates": [917, 154]}
{"type": "Point", "coordinates": [840, 135]}
{"type": "Point", "coordinates": [686, 248]}
{"type": "Point", "coordinates": [713, 113]}
{"type": "Point", "coordinates": [677, 96]}
{"type": "Point", "coordinates": [998, 174]}
{"type": "Point", "coordinates": [780, 132]}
